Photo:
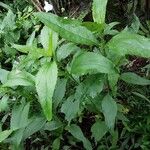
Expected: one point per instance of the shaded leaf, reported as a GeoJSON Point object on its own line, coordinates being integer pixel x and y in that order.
{"type": "Point", "coordinates": [78, 134]}
{"type": "Point", "coordinates": [59, 91]}
{"type": "Point", "coordinates": [36, 123]}
{"type": "Point", "coordinates": [133, 78]}
{"type": "Point", "coordinates": [113, 79]}
{"type": "Point", "coordinates": [141, 96]}
{"type": "Point", "coordinates": [56, 144]}
{"type": "Point", "coordinates": [99, 129]}
{"type": "Point", "coordinates": [19, 117]}
{"type": "Point", "coordinates": [16, 137]}
{"type": "Point", "coordinates": [53, 125]}
{"type": "Point", "coordinates": [70, 108]}
{"type": "Point", "coordinates": [109, 108]}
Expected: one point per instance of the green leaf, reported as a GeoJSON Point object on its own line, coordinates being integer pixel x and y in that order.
{"type": "Point", "coordinates": [19, 117]}
{"type": "Point", "coordinates": [109, 29]}
{"type": "Point", "coordinates": [135, 26]}
{"type": "Point", "coordinates": [67, 29]}
{"type": "Point", "coordinates": [16, 137]}
{"type": "Point", "coordinates": [33, 51]}
{"type": "Point", "coordinates": [23, 48]}
{"type": "Point", "coordinates": [94, 85]}
{"type": "Point", "coordinates": [133, 78]}
{"type": "Point", "coordinates": [99, 11]}
{"type": "Point", "coordinates": [19, 121]}
{"type": "Point", "coordinates": [126, 43]}
{"type": "Point", "coordinates": [141, 96]}
{"type": "Point", "coordinates": [45, 85]}
{"type": "Point", "coordinates": [53, 125]}
{"type": "Point", "coordinates": [90, 62]}
{"type": "Point", "coordinates": [99, 129]}
{"type": "Point", "coordinates": [3, 75]}
{"type": "Point", "coordinates": [17, 77]}
{"type": "Point", "coordinates": [49, 40]}
{"type": "Point", "coordinates": [56, 144]}
{"type": "Point", "coordinates": [5, 134]}
{"type": "Point", "coordinates": [70, 108]}
{"type": "Point", "coordinates": [4, 103]}
{"type": "Point", "coordinates": [59, 92]}
{"type": "Point", "coordinates": [78, 134]}
{"type": "Point", "coordinates": [113, 80]}
{"type": "Point", "coordinates": [30, 40]}
{"type": "Point", "coordinates": [9, 21]}
{"type": "Point", "coordinates": [5, 6]}
{"type": "Point", "coordinates": [65, 50]}
{"type": "Point", "coordinates": [94, 27]}
{"type": "Point", "coordinates": [109, 108]}
{"type": "Point", "coordinates": [36, 124]}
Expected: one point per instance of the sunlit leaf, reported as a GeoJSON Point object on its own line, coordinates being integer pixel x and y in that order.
{"type": "Point", "coordinates": [67, 29]}
{"type": "Point", "coordinates": [49, 40]}
{"type": "Point", "coordinates": [65, 50]}
{"type": "Point", "coordinates": [4, 134]}
{"type": "Point", "coordinates": [3, 75]}
{"type": "Point", "coordinates": [17, 77]}
{"type": "Point", "coordinates": [45, 85]}
{"type": "Point", "coordinates": [4, 103]}
{"type": "Point", "coordinates": [90, 62]}
{"type": "Point", "coordinates": [126, 43]}
{"type": "Point", "coordinates": [99, 11]}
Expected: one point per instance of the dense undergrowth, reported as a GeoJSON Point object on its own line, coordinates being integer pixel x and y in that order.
{"type": "Point", "coordinates": [73, 84]}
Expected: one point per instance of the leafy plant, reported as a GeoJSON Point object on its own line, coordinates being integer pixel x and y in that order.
{"type": "Point", "coordinates": [57, 81]}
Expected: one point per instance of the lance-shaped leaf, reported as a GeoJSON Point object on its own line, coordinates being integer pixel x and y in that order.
{"type": "Point", "coordinates": [45, 84]}
{"type": "Point", "coordinates": [3, 75]}
{"type": "Point", "coordinates": [99, 11]}
{"type": "Point", "coordinates": [19, 118]}
{"type": "Point", "coordinates": [5, 134]}
{"type": "Point", "coordinates": [99, 129]}
{"type": "Point", "coordinates": [33, 51]}
{"type": "Point", "coordinates": [90, 62]}
{"type": "Point", "coordinates": [67, 29]}
{"type": "Point", "coordinates": [78, 134]}
{"type": "Point", "coordinates": [109, 108]}
{"type": "Point", "coordinates": [49, 40]}
{"type": "Point", "coordinates": [17, 77]}
{"type": "Point", "coordinates": [127, 43]}
{"type": "Point", "coordinates": [133, 78]}
{"type": "Point", "coordinates": [66, 49]}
